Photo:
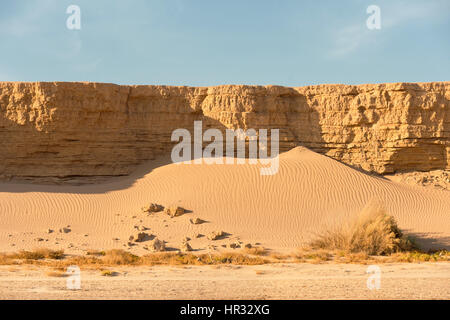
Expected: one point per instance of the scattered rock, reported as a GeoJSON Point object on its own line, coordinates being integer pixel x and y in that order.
{"type": "Point", "coordinates": [196, 221]}
{"type": "Point", "coordinates": [186, 239]}
{"type": "Point", "coordinates": [234, 245]}
{"type": "Point", "coordinates": [174, 211]}
{"type": "Point", "coordinates": [157, 245]}
{"type": "Point", "coordinates": [248, 245]}
{"type": "Point", "coordinates": [186, 246]}
{"type": "Point", "coordinates": [215, 235]}
{"type": "Point", "coordinates": [39, 239]}
{"type": "Point", "coordinates": [152, 207]}
{"type": "Point", "coordinates": [140, 237]}
{"type": "Point", "coordinates": [49, 231]}
{"type": "Point", "coordinates": [64, 230]}
{"type": "Point", "coordinates": [141, 228]}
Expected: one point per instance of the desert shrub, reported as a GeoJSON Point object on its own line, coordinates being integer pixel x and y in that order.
{"type": "Point", "coordinates": [119, 257]}
{"type": "Point", "coordinates": [257, 251]}
{"type": "Point", "coordinates": [373, 232]}
{"type": "Point", "coordinates": [38, 254]}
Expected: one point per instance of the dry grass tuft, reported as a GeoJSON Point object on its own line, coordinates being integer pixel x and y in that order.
{"type": "Point", "coordinates": [416, 256]}
{"type": "Point", "coordinates": [313, 256]}
{"type": "Point", "coordinates": [203, 259]}
{"type": "Point", "coordinates": [119, 257]}
{"type": "Point", "coordinates": [96, 253]}
{"type": "Point", "coordinates": [257, 251]}
{"type": "Point", "coordinates": [374, 232]}
{"type": "Point", "coordinates": [37, 254]}
{"type": "Point", "coordinates": [57, 274]}
{"type": "Point", "coordinates": [109, 273]}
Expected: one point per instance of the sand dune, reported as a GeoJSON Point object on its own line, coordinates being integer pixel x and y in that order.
{"type": "Point", "coordinates": [310, 192]}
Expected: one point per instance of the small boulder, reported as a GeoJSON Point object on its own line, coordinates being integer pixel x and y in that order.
{"type": "Point", "coordinates": [186, 246]}
{"type": "Point", "coordinates": [157, 245]}
{"type": "Point", "coordinates": [248, 246]}
{"type": "Point", "coordinates": [64, 230]}
{"type": "Point", "coordinates": [139, 237]}
{"type": "Point", "coordinates": [174, 211]}
{"type": "Point", "coordinates": [234, 245]}
{"type": "Point", "coordinates": [215, 235]}
{"type": "Point", "coordinates": [152, 207]}
{"type": "Point", "coordinates": [196, 221]}
{"type": "Point", "coordinates": [141, 228]}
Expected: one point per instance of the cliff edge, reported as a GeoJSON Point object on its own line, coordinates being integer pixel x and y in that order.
{"type": "Point", "coordinates": [60, 130]}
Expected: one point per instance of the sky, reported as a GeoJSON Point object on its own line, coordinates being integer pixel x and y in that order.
{"type": "Point", "coordinates": [213, 42]}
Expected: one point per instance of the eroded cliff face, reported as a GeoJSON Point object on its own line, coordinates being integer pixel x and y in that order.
{"type": "Point", "coordinates": [63, 130]}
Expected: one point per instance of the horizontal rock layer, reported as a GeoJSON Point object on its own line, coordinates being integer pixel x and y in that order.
{"type": "Point", "coordinates": [64, 130]}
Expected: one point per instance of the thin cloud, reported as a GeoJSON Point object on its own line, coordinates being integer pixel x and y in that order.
{"type": "Point", "coordinates": [29, 20]}
{"type": "Point", "coordinates": [350, 38]}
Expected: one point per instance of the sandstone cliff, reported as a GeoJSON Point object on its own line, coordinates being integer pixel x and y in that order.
{"type": "Point", "coordinates": [63, 130]}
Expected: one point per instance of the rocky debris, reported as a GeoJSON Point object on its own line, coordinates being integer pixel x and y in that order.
{"type": "Point", "coordinates": [215, 235]}
{"type": "Point", "coordinates": [65, 230]}
{"type": "Point", "coordinates": [140, 237]}
{"type": "Point", "coordinates": [39, 239]}
{"type": "Point", "coordinates": [196, 221]}
{"type": "Point", "coordinates": [234, 245]}
{"type": "Point", "coordinates": [248, 245]}
{"type": "Point", "coordinates": [186, 239]}
{"type": "Point", "coordinates": [174, 211]}
{"type": "Point", "coordinates": [141, 228]}
{"type": "Point", "coordinates": [197, 235]}
{"type": "Point", "coordinates": [152, 208]}
{"type": "Point", "coordinates": [437, 179]}
{"type": "Point", "coordinates": [185, 246]}
{"type": "Point", "coordinates": [49, 231]}
{"type": "Point", "coordinates": [156, 245]}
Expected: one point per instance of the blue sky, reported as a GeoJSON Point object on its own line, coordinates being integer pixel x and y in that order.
{"type": "Point", "coordinates": [212, 42]}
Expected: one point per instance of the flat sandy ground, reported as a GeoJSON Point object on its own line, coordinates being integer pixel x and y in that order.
{"type": "Point", "coordinates": [276, 281]}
